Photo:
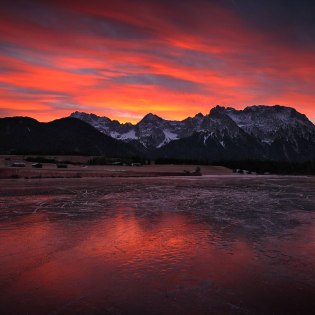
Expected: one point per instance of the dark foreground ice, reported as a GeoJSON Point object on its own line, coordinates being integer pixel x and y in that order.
{"type": "Point", "coordinates": [209, 245]}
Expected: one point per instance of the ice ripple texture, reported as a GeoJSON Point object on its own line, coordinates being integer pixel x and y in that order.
{"type": "Point", "coordinates": [210, 245]}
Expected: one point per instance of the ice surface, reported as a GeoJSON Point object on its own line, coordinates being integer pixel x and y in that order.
{"type": "Point", "coordinates": [208, 245]}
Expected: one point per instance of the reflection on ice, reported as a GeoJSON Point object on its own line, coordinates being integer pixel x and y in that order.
{"type": "Point", "coordinates": [158, 246]}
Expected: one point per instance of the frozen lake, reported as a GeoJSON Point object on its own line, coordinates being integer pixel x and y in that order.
{"type": "Point", "coordinates": [209, 245]}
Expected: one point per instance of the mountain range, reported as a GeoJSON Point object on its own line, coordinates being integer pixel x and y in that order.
{"type": "Point", "coordinates": [256, 132]}
{"type": "Point", "coordinates": [260, 132]}
{"type": "Point", "coordinates": [24, 135]}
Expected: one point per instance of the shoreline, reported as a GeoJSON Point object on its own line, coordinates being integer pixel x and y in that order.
{"type": "Point", "coordinates": [108, 171]}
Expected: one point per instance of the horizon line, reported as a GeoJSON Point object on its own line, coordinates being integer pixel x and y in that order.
{"type": "Point", "coordinates": [152, 113]}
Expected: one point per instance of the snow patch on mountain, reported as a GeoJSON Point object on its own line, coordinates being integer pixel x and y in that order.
{"type": "Point", "coordinates": [279, 130]}
{"type": "Point", "coordinates": [113, 134]}
{"type": "Point", "coordinates": [130, 135]}
{"type": "Point", "coordinates": [169, 136]}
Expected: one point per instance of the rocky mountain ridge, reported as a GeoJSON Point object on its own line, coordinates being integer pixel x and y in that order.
{"type": "Point", "coordinates": [265, 132]}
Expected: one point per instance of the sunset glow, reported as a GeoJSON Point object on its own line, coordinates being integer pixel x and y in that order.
{"type": "Point", "coordinates": [123, 59]}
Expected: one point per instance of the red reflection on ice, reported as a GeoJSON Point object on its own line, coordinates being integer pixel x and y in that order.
{"type": "Point", "coordinates": [126, 262]}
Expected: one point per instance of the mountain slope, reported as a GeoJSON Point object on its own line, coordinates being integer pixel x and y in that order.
{"type": "Point", "coordinates": [264, 132]}
{"type": "Point", "coordinates": [220, 139]}
{"type": "Point", "coordinates": [258, 132]}
{"type": "Point", "coordinates": [149, 133]}
{"type": "Point", "coordinates": [62, 136]}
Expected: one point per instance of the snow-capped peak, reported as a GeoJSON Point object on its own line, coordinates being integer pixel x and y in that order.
{"type": "Point", "coordinates": [267, 124]}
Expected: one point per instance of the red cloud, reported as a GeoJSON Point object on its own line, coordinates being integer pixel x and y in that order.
{"type": "Point", "coordinates": [124, 59]}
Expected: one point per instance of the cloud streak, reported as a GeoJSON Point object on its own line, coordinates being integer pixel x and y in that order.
{"type": "Point", "coordinates": [126, 58]}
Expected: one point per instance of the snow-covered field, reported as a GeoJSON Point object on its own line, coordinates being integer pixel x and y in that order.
{"type": "Point", "coordinates": [206, 245]}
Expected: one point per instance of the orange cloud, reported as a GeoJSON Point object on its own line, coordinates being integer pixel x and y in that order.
{"type": "Point", "coordinates": [124, 59]}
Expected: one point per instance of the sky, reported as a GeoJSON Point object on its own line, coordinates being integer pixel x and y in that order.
{"type": "Point", "coordinates": [124, 59]}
